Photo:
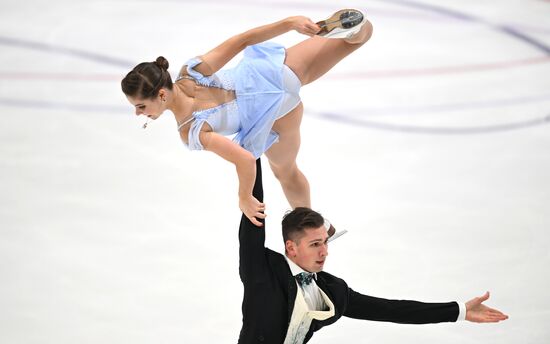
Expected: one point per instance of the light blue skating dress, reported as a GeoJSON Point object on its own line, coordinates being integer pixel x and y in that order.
{"type": "Point", "coordinates": [265, 90]}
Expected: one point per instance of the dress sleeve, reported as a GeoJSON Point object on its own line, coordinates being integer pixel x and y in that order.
{"type": "Point", "coordinates": [194, 133]}
{"type": "Point", "coordinates": [190, 68]}
{"type": "Point", "coordinates": [210, 81]}
{"type": "Point", "coordinates": [220, 79]}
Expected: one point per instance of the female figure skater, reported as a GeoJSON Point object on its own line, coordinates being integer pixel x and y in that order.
{"type": "Point", "coordinates": [257, 100]}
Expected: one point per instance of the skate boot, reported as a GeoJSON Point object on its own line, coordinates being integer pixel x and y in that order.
{"type": "Point", "coordinates": [331, 231]}
{"type": "Point", "coordinates": [342, 24]}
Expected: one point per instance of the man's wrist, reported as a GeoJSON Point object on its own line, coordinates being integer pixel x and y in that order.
{"type": "Point", "coordinates": [461, 311]}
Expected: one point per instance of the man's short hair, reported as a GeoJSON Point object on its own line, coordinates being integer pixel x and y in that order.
{"type": "Point", "coordinates": [296, 221]}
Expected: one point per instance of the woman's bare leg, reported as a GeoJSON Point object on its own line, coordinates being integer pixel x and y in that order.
{"type": "Point", "coordinates": [309, 60]}
{"type": "Point", "coordinates": [282, 159]}
{"type": "Point", "coordinates": [316, 55]}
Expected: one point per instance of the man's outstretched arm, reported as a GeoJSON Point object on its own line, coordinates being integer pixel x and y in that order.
{"type": "Point", "coordinates": [414, 312]}
{"type": "Point", "coordinates": [399, 311]}
{"type": "Point", "coordinates": [252, 238]}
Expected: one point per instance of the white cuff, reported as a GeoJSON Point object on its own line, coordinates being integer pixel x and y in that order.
{"type": "Point", "coordinates": [461, 311]}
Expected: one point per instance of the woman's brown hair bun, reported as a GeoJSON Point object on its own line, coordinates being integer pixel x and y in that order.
{"type": "Point", "coordinates": [162, 63]}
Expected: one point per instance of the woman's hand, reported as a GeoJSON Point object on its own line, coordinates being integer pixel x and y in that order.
{"type": "Point", "coordinates": [304, 25]}
{"type": "Point", "coordinates": [252, 208]}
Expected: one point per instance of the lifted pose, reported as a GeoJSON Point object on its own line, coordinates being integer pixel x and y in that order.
{"type": "Point", "coordinates": [258, 100]}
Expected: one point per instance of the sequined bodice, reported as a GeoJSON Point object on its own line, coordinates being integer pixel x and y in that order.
{"type": "Point", "coordinates": [263, 94]}
{"type": "Point", "coordinates": [223, 118]}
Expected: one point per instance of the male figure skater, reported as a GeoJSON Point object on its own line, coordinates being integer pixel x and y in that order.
{"type": "Point", "coordinates": [288, 298]}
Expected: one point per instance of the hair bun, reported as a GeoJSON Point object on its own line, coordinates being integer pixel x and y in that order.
{"type": "Point", "coordinates": [162, 63]}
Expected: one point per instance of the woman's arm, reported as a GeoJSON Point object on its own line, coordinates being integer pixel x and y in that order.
{"type": "Point", "coordinates": [218, 57]}
{"type": "Point", "coordinates": [246, 170]}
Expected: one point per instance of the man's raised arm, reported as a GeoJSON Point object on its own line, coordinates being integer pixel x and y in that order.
{"type": "Point", "coordinates": [252, 238]}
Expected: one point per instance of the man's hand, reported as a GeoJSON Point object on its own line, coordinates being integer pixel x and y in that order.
{"type": "Point", "coordinates": [477, 312]}
{"type": "Point", "coordinates": [252, 208]}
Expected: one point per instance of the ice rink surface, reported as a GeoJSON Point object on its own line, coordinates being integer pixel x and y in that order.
{"type": "Point", "coordinates": [430, 145]}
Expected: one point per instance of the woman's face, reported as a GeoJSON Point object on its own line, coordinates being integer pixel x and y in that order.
{"type": "Point", "coordinates": [151, 108]}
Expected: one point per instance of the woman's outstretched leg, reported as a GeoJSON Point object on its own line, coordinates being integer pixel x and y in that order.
{"type": "Point", "coordinates": [309, 60]}
{"type": "Point", "coordinates": [282, 159]}
{"type": "Point", "coordinates": [315, 56]}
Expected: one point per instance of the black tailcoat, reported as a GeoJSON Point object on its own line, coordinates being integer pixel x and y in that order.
{"type": "Point", "coordinates": [270, 291]}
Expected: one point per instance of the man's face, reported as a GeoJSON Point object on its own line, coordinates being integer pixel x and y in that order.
{"type": "Point", "coordinates": [311, 250]}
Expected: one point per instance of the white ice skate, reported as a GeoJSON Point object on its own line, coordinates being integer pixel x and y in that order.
{"type": "Point", "coordinates": [342, 24]}
{"type": "Point", "coordinates": [331, 231]}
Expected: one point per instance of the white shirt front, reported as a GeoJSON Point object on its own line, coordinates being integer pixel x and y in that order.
{"type": "Point", "coordinates": [310, 303]}
{"type": "Point", "coordinates": [311, 292]}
